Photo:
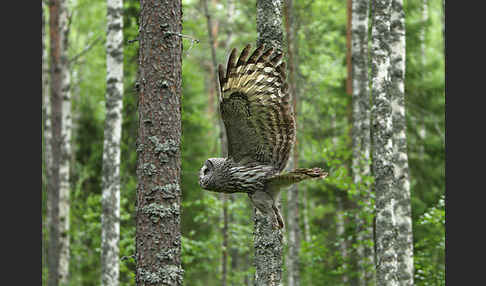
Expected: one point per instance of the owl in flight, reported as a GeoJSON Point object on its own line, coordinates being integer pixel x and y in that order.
{"type": "Point", "coordinates": [256, 109]}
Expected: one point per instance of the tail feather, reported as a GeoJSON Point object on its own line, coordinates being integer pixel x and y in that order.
{"type": "Point", "coordinates": [295, 176]}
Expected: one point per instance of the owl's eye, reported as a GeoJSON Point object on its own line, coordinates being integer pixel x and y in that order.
{"type": "Point", "coordinates": [205, 171]}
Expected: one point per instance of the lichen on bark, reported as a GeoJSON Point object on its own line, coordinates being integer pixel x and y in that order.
{"type": "Point", "coordinates": [361, 138]}
{"type": "Point", "coordinates": [404, 245]}
{"type": "Point", "coordinates": [268, 241]}
{"type": "Point", "coordinates": [382, 133]}
{"type": "Point", "coordinates": [158, 236]}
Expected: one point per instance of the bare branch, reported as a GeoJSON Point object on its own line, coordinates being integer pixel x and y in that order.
{"type": "Point", "coordinates": [85, 50]}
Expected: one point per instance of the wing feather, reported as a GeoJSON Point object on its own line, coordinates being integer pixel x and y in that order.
{"type": "Point", "coordinates": [255, 107]}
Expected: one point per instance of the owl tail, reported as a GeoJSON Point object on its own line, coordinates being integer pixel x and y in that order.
{"type": "Point", "coordinates": [297, 175]}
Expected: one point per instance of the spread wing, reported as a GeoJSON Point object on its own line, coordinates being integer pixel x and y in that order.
{"type": "Point", "coordinates": [255, 108]}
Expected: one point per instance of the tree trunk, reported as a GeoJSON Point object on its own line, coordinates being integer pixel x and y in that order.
{"type": "Point", "coordinates": [267, 240]}
{"type": "Point", "coordinates": [382, 132]}
{"type": "Point", "coordinates": [443, 26]}
{"type": "Point", "coordinates": [340, 220]}
{"type": "Point", "coordinates": [46, 124]}
{"type": "Point", "coordinates": [158, 234]}
{"type": "Point", "coordinates": [212, 34]}
{"type": "Point", "coordinates": [403, 212]}
{"type": "Point", "coordinates": [423, 60]}
{"type": "Point", "coordinates": [64, 168]}
{"type": "Point", "coordinates": [349, 34]}
{"type": "Point", "coordinates": [341, 237]}
{"type": "Point", "coordinates": [224, 232]}
{"type": "Point", "coordinates": [361, 137]}
{"type": "Point", "coordinates": [110, 217]}
{"type": "Point", "coordinates": [293, 218]}
{"type": "Point", "coordinates": [58, 183]}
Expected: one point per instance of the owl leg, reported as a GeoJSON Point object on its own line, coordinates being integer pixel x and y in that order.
{"type": "Point", "coordinates": [265, 204]}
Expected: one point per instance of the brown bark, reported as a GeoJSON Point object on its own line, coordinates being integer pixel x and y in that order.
{"type": "Point", "coordinates": [158, 234]}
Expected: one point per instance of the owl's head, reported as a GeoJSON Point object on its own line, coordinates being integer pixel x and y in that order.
{"type": "Point", "coordinates": [210, 172]}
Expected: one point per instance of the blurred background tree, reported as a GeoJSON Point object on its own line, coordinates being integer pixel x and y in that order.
{"type": "Point", "coordinates": [327, 210]}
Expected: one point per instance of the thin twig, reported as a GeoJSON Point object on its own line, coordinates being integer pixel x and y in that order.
{"type": "Point", "coordinates": [123, 258]}
{"type": "Point", "coordinates": [184, 36]}
{"type": "Point", "coordinates": [85, 50]}
{"type": "Point", "coordinates": [133, 41]}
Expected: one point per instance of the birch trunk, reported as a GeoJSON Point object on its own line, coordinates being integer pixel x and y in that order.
{"type": "Point", "coordinates": [267, 240]}
{"type": "Point", "coordinates": [382, 132]}
{"type": "Point", "coordinates": [46, 108]}
{"type": "Point", "coordinates": [361, 136]}
{"type": "Point", "coordinates": [341, 237]}
{"type": "Point", "coordinates": [110, 201]}
{"type": "Point", "coordinates": [158, 230]}
{"type": "Point", "coordinates": [403, 213]}
{"type": "Point", "coordinates": [64, 168]}
{"type": "Point", "coordinates": [423, 60]}
{"type": "Point", "coordinates": [340, 224]}
{"type": "Point", "coordinates": [46, 137]}
{"type": "Point", "coordinates": [58, 183]}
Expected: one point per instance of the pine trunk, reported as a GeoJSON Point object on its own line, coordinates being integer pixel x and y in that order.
{"type": "Point", "coordinates": [213, 91]}
{"type": "Point", "coordinates": [158, 230]}
{"type": "Point", "coordinates": [58, 182]}
{"type": "Point", "coordinates": [361, 137]}
{"type": "Point", "coordinates": [110, 217]}
{"type": "Point", "coordinates": [267, 240]}
{"type": "Point", "coordinates": [403, 213]}
{"type": "Point", "coordinates": [382, 132]}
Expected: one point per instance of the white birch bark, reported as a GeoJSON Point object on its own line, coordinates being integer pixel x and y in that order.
{"type": "Point", "coordinates": [46, 109]}
{"type": "Point", "coordinates": [58, 181]}
{"type": "Point", "coordinates": [64, 174]}
{"type": "Point", "coordinates": [110, 218]}
{"type": "Point", "coordinates": [381, 132]}
{"type": "Point", "coordinates": [423, 60]}
{"type": "Point", "coordinates": [46, 135]}
{"type": "Point", "coordinates": [403, 213]}
{"type": "Point", "coordinates": [361, 136]}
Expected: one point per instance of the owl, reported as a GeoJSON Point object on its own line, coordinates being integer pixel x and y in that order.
{"type": "Point", "coordinates": [258, 116]}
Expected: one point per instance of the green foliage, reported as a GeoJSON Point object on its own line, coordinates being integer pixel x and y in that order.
{"type": "Point", "coordinates": [430, 250]}
{"type": "Point", "coordinates": [323, 122]}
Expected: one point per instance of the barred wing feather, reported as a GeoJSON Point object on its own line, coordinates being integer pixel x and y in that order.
{"type": "Point", "coordinates": [255, 108]}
